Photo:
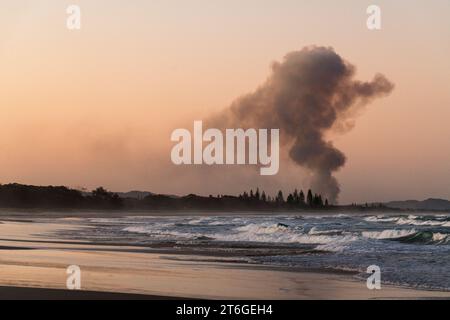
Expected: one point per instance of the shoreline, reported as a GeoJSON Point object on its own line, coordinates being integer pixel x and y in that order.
{"type": "Point", "coordinates": [26, 215]}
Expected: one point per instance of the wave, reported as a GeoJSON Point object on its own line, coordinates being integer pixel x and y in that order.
{"type": "Point", "coordinates": [388, 234]}
{"type": "Point", "coordinates": [411, 236]}
{"type": "Point", "coordinates": [413, 220]}
{"type": "Point", "coordinates": [426, 237]}
{"type": "Point", "coordinates": [380, 219]}
{"type": "Point", "coordinates": [264, 232]}
{"type": "Point", "coordinates": [422, 222]}
{"type": "Point", "coordinates": [280, 233]}
{"type": "Point", "coordinates": [316, 231]}
{"type": "Point", "coordinates": [325, 236]}
{"type": "Point", "coordinates": [159, 234]}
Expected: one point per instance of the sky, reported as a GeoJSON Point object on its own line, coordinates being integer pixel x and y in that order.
{"type": "Point", "coordinates": [97, 106]}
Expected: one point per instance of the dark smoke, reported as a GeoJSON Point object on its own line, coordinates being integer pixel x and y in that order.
{"type": "Point", "coordinates": [308, 94]}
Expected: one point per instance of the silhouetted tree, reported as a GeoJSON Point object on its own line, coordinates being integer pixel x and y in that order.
{"type": "Point", "coordinates": [106, 200]}
{"type": "Point", "coordinates": [280, 197]}
{"type": "Point", "coordinates": [263, 197]}
{"type": "Point", "coordinates": [310, 198]}
{"type": "Point", "coordinates": [296, 197]}
{"type": "Point", "coordinates": [301, 198]}
{"type": "Point", "coordinates": [320, 201]}
{"type": "Point", "coordinates": [290, 199]}
{"type": "Point", "coordinates": [257, 195]}
{"type": "Point", "coordinates": [100, 193]}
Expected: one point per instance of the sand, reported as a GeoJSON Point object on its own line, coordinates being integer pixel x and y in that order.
{"type": "Point", "coordinates": [33, 265]}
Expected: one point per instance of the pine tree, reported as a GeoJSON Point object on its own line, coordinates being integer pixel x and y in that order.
{"type": "Point", "coordinates": [280, 197]}
{"type": "Point", "coordinates": [310, 198]}
{"type": "Point", "coordinates": [296, 196]}
{"type": "Point", "coordinates": [257, 196]}
{"type": "Point", "coordinates": [301, 198]}
{"type": "Point", "coordinates": [263, 197]}
{"type": "Point", "coordinates": [290, 199]}
{"type": "Point", "coordinates": [316, 200]}
{"type": "Point", "coordinates": [320, 200]}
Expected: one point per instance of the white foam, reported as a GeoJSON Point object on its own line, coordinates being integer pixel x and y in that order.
{"type": "Point", "coordinates": [276, 233]}
{"type": "Point", "coordinates": [413, 222]}
{"type": "Point", "coordinates": [337, 246]}
{"type": "Point", "coordinates": [155, 232]}
{"type": "Point", "coordinates": [439, 237]}
{"type": "Point", "coordinates": [315, 231]}
{"type": "Point", "coordinates": [388, 234]}
{"type": "Point", "coordinates": [380, 219]}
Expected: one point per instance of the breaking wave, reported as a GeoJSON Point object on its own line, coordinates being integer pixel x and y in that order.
{"type": "Point", "coordinates": [388, 234]}
{"type": "Point", "coordinates": [280, 233]}
{"type": "Point", "coordinates": [426, 237]}
{"type": "Point", "coordinates": [409, 236]}
{"type": "Point", "coordinates": [415, 221]}
{"type": "Point", "coordinates": [380, 219]}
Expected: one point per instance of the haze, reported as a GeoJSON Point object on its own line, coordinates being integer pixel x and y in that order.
{"type": "Point", "coordinates": [97, 106]}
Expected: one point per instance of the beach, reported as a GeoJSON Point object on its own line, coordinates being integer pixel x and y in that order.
{"type": "Point", "coordinates": [33, 264]}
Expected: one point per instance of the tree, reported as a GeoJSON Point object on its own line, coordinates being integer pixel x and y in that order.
{"type": "Point", "coordinates": [310, 198]}
{"type": "Point", "coordinates": [326, 203]}
{"type": "Point", "coordinates": [104, 199]}
{"type": "Point", "coordinates": [320, 201]}
{"type": "Point", "coordinates": [301, 198]}
{"type": "Point", "coordinates": [257, 195]}
{"type": "Point", "coordinates": [280, 197]}
{"type": "Point", "coordinates": [290, 199]}
{"type": "Point", "coordinates": [296, 196]}
{"type": "Point", "coordinates": [100, 193]}
{"type": "Point", "coordinates": [263, 197]}
{"type": "Point", "coordinates": [315, 200]}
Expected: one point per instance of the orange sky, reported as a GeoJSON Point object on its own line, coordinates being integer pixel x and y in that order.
{"type": "Point", "coordinates": [97, 106]}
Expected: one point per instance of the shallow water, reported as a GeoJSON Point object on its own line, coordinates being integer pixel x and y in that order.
{"type": "Point", "coordinates": [411, 250]}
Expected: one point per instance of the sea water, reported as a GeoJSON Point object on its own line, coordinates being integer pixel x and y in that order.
{"type": "Point", "coordinates": [412, 250]}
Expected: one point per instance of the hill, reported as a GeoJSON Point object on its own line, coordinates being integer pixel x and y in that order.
{"type": "Point", "coordinates": [428, 204]}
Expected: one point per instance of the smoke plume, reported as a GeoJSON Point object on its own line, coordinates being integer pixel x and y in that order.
{"type": "Point", "coordinates": [309, 93]}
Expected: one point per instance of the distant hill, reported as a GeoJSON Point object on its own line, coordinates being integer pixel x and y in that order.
{"type": "Point", "coordinates": [429, 204]}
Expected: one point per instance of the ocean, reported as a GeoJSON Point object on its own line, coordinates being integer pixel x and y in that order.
{"type": "Point", "coordinates": [412, 250]}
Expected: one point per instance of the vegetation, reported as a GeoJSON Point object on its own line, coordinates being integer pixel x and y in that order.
{"type": "Point", "coordinates": [295, 200]}
{"type": "Point", "coordinates": [23, 196]}
{"type": "Point", "coordinates": [36, 197]}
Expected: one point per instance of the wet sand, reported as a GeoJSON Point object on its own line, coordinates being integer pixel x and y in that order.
{"type": "Point", "coordinates": [33, 264]}
{"type": "Point", "coordinates": [17, 293]}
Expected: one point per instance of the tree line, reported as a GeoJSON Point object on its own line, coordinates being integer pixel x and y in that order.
{"type": "Point", "coordinates": [60, 197]}
{"type": "Point", "coordinates": [294, 199]}
{"type": "Point", "coordinates": [48, 197]}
